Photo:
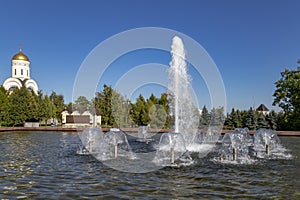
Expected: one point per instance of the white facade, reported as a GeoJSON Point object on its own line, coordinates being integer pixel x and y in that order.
{"type": "Point", "coordinates": [20, 74]}
{"type": "Point", "coordinates": [94, 120]}
{"type": "Point", "coordinates": [20, 69]}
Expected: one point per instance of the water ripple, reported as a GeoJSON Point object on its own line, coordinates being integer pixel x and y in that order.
{"type": "Point", "coordinates": [45, 166]}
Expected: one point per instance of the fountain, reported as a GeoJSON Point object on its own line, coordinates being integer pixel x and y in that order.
{"type": "Point", "coordinates": [239, 147]}
{"type": "Point", "coordinates": [114, 144]}
{"type": "Point", "coordinates": [171, 147]}
{"type": "Point", "coordinates": [184, 111]}
{"type": "Point", "coordinates": [90, 138]}
{"type": "Point", "coordinates": [144, 135]}
{"type": "Point", "coordinates": [235, 146]}
{"type": "Point", "coordinates": [267, 144]}
{"type": "Point", "coordinates": [181, 103]}
{"type": "Point", "coordinates": [176, 148]}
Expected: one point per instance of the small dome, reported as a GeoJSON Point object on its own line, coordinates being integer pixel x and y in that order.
{"type": "Point", "coordinates": [20, 56]}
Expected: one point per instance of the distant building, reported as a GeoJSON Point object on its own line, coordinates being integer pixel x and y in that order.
{"type": "Point", "coordinates": [20, 73]}
{"type": "Point", "coordinates": [200, 111]}
{"type": "Point", "coordinates": [263, 109]}
{"type": "Point", "coordinates": [77, 118]}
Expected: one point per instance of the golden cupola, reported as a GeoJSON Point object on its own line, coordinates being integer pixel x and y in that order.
{"type": "Point", "coordinates": [20, 56]}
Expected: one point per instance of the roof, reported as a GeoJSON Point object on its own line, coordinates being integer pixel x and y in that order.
{"type": "Point", "coordinates": [70, 110]}
{"type": "Point", "coordinates": [20, 56]}
{"type": "Point", "coordinates": [262, 107]}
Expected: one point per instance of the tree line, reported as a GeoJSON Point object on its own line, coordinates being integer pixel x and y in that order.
{"type": "Point", "coordinates": [23, 105]}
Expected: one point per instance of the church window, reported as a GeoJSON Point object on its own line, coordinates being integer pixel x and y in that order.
{"type": "Point", "coordinates": [11, 89]}
{"type": "Point", "coordinates": [15, 71]}
{"type": "Point", "coordinates": [21, 71]}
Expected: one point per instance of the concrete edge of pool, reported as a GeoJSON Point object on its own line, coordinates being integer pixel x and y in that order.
{"type": "Point", "coordinates": [67, 129]}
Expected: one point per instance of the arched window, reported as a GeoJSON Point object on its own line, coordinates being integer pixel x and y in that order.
{"type": "Point", "coordinates": [21, 71]}
{"type": "Point", "coordinates": [15, 71]}
{"type": "Point", "coordinates": [11, 89]}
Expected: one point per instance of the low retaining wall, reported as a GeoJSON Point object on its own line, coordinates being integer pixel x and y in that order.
{"type": "Point", "coordinates": [65, 129]}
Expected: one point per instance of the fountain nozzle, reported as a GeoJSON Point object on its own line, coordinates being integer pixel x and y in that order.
{"type": "Point", "coordinates": [116, 151]}
{"type": "Point", "coordinates": [172, 155]}
{"type": "Point", "coordinates": [234, 153]}
{"type": "Point", "coordinates": [267, 149]}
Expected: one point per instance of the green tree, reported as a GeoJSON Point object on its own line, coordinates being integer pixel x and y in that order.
{"type": "Point", "coordinates": [287, 96]}
{"type": "Point", "coordinates": [237, 119]}
{"type": "Point", "coordinates": [59, 103]}
{"type": "Point", "coordinates": [217, 116]}
{"type": "Point", "coordinates": [82, 103]}
{"type": "Point", "coordinates": [113, 107]}
{"type": "Point", "coordinates": [287, 93]}
{"type": "Point", "coordinates": [153, 99]}
{"type": "Point", "coordinates": [140, 112]}
{"type": "Point", "coordinates": [250, 120]}
{"type": "Point", "coordinates": [272, 120]}
{"type": "Point", "coordinates": [118, 109]}
{"type": "Point", "coordinates": [102, 102]}
{"type": "Point", "coordinates": [47, 109]}
{"type": "Point", "coordinates": [262, 122]}
{"type": "Point", "coordinates": [3, 106]}
{"type": "Point", "coordinates": [204, 119]}
{"type": "Point", "coordinates": [282, 121]}
{"type": "Point", "coordinates": [163, 101]}
{"type": "Point", "coordinates": [229, 121]}
{"type": "Point", "coordinates": [22, 107]}
{"type": "Point", "coordinates": [157, 116]}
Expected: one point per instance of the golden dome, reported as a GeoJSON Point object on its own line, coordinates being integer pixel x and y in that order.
{"type": "Point", "coordinates": [20, 56]}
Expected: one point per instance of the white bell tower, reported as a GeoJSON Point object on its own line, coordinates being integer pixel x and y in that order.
{"type": "Point", "coordinates": [20, 66]}
{"type": "Point", "coordinates": [20, 73]}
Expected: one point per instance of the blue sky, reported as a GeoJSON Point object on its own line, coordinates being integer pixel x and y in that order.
{"type": "Point", "coordinates": [251, 42]}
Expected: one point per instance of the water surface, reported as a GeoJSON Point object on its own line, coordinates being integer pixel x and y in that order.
{"type": "Point", "coordinates": [45, 165]}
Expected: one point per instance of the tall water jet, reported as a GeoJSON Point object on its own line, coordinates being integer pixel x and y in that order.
{"type": "Point", "coordinates": [181, 102]}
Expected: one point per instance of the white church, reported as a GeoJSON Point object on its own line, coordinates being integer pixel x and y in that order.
{"type": "Point", "coordinates": [20, 74]}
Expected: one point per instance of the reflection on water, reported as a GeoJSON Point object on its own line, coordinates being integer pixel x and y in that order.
{"type": "Point", "coordinates": [45, 165]}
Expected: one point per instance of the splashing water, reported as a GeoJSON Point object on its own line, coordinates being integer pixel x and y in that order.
{"type": "Point", "coordinates": [181, 104]}
{"type": "Point", "coordinates": [114, 145]}
{"type": "Point", "coordinates": [267, 145]}
{"type": "Point", "coordinates": [144, 135]}
{"type": "Point", "coordinates": [235, 146]}
{"type": "Point", "coordinates": [90, 138]}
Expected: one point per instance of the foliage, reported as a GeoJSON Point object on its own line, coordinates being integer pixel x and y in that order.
{"type": "Point", "coordinates": [116, 111]}
{"type": "Point", "coordinates": [58, 101]}
{"type": "Point", "coordinates": [140, 112]}
{"type": "Point", "coordinates": [3, 106]}
{"type": "Point", "coordinates": [82, 103]}
{"type": "Point", "coordinates": [287, 93]}
{"type": "Point", "coordinates": [114, 108]}
{"type": "Point", "coordinates": [271, 120]}
{"type": "Point", "coordinates": [204, 119]}
{"type": "Point", "coordinates": [163, 101]}
{"type": "Point", "coordinates": [287, 96]}
{"type": "Point", "coordinates": [217, 117]}
{"type": "Point", "coordinates": [262, 122]}
{"type": "Point", "coordinates": [23, 105]}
